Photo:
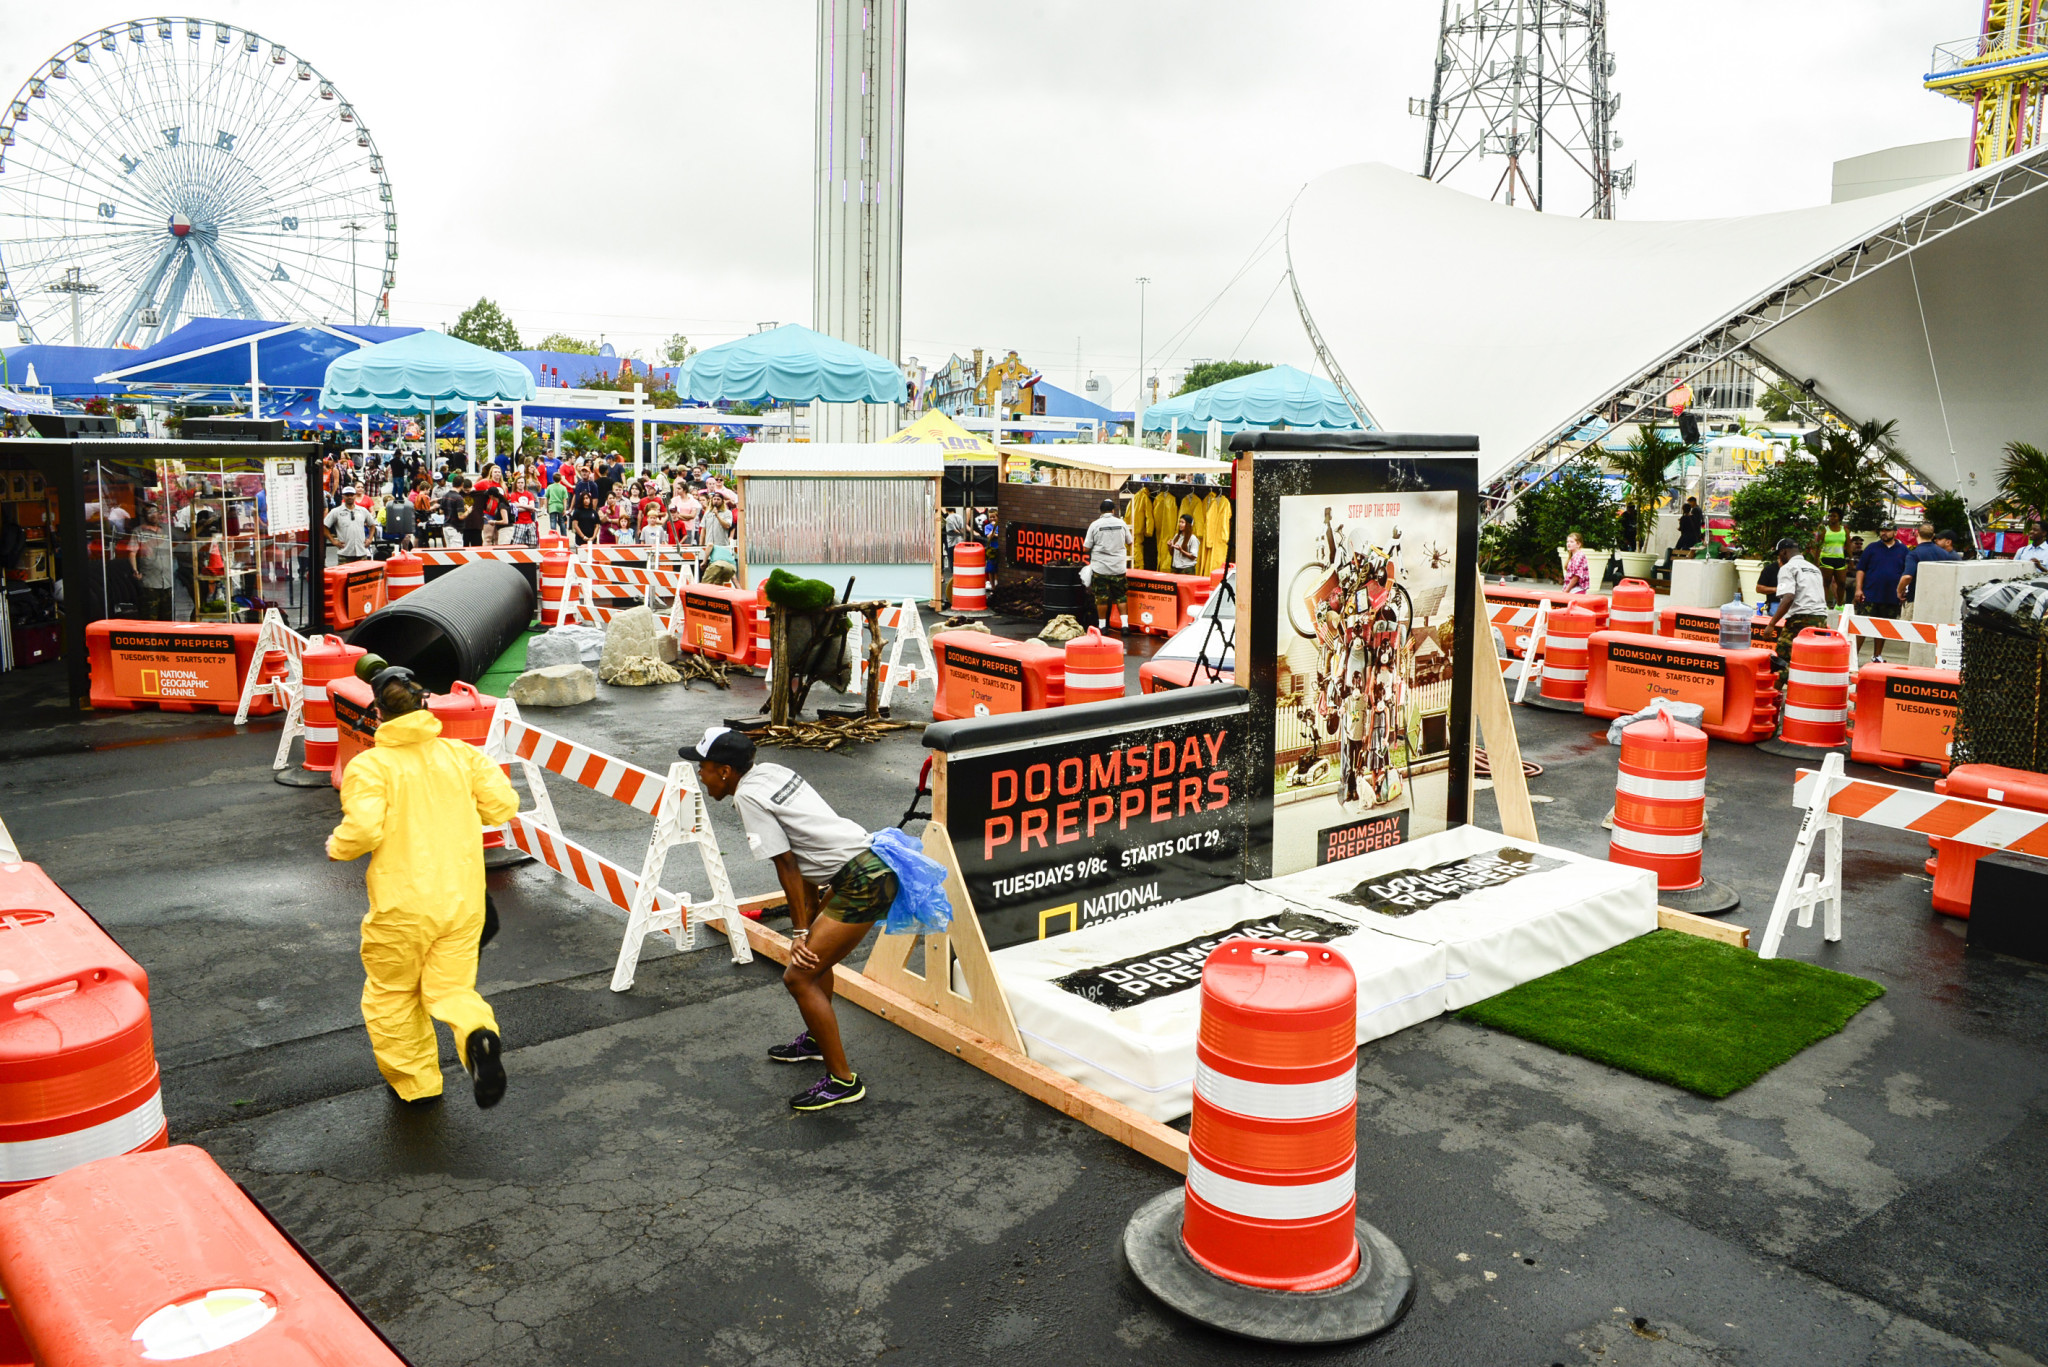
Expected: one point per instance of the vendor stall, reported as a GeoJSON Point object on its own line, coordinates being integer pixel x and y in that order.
{"type": "Point", "coordinates": [1049, 494]}
{"type": "Point", "coordinates": [834, 512]}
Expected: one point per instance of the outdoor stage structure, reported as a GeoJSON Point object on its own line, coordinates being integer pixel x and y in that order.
{"type": "Point", "coordinates": [1878, 307]}
{"type": "Point", "coordinates": [1526, 81]}
{"type": "Point", "coordinates": [857, 205]}
{"type": "Point", "coordinates": [169, 168]}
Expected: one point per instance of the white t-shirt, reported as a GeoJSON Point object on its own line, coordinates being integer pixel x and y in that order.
{"type": "Point", "coordinates": [1801, 578]}
{"type": "Point", "coordinates": [783, 812]}
{"type": "Point", "coordinates": [1108, 542]}
{"type": "Point", "coordinates": [2032, 554]}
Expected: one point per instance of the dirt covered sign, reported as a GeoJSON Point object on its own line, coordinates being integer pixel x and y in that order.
{"type": "Point", "coordinates": [1055, 832]}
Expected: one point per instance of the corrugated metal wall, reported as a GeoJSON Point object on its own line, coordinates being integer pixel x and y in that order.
{"type": "Point", "coordinates": [840, 522]}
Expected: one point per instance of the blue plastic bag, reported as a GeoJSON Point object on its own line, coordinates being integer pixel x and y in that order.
{"type": "Point", "coordinates": [921, 906]}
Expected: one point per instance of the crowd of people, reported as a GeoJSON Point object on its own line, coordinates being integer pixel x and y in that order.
{"type": "Point", "coordinates": [407, 500]}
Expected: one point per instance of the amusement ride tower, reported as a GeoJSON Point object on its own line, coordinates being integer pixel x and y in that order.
{"type": "Point", "coordinates": [1999, 73]}
{"type": "Point", "coordinates": [1526, 80]}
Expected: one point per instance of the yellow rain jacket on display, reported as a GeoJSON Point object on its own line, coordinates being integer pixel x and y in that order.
{"type": "Point", "coordinates": [1139, 518]}
{"type": "Point", "coordinates": [1165, 522]}
{"type": "Point", "coordinates": [1215, 533]}
{"type": "Point", "coordinates": [418, 805]}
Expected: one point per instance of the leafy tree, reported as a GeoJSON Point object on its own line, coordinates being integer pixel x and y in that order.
{"type": "Point", "coordinates": [2023, 480]}
{"type": "Point", "coordinates": [579, 439]}
{"type": "Point", "coordinates": [689, 445]}
{"type": "Point", "coordinates": [1949, 513]}
{"type": "Point", "coordinates": [1782, 502]}
{"type": "Point", "coordinates": [1850, 470]}
{"type": "Point", "coordinates": [562, 341]}
{"type": "Point", "coordinates": [744, 410]}
{"type": "Point", "coordinates": [623, 383]}
{"type": "Point", "coordinates": [1216, 372]}
{"type": "Point", "coordinates": [485, 324]}
{"type": "Point", "coordinates": [677, 349]}
{"type": "Point", "coordinates": [1572, 498]}
{"type": "Point", "coordinates": [1782, 401]}
{"type": "Point", "coordinates": [1645, 468]}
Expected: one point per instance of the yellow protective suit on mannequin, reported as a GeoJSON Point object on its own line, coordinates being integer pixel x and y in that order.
{"type": "Point", "coordinates": [1165, 524]}
{"type": "Point", "coordinates": [418, 805]}
{"type": "Point", "coordinates": [1138, 516]}
{"type": "Point", "coordinates": [1215, 533]}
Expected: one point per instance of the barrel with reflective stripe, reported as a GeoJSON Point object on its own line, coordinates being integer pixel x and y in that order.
{"type": "Point", "coordinates": [78, 1074]}
{"type": "Point", "coordinates": [764, 636]}
{"type": "Point", "coordinates": [1273, 1144]}
{"type": "Point", "coordinates": [327, 658]}
{"type": "Point", "coordinates": [554, 585]}
{"type": "Point", "coordinates": [1564, 654]}
{"type": "Point", "coordinates": [1817, 689]}
{"type": "Point", "coordinates": [404, 572]}
{"type": "Point", "coordinates": [1660, 802]}
{"type": "Point", "coordinates": [1632, 607]}
{"type": "Point", "coordinates": [970, 577]}
{"type": "Point", "coordinates": [1095, 668]}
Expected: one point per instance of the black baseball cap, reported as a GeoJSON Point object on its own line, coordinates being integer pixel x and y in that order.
{"type": "Point", "coordinates": [720, 745]}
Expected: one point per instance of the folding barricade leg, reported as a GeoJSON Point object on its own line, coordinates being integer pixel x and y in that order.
{"type": "Point", "coordinates": [677, 805]}
{"type": "Point", "coordinates": [1532, 650]}
{"type": "Point", "coordinates": [288, 692]}
{"type": "Point", "coordinates": [909, 631]}
{"type": "Point", "coordinates": [1800, 890]}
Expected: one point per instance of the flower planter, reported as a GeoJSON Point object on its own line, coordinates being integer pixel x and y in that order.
{"type": "Point", "coordinates": [1637, 565]}
{"type": "Point", "coordinates": [1747, 573]}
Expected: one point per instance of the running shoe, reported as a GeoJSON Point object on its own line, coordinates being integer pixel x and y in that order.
{"type": "Point", "coordinates": [827, 1092]}
{"type": "Point", "coordinates": [802, 1049]}
{"type": "Point", "coordinates": [486, 1066]}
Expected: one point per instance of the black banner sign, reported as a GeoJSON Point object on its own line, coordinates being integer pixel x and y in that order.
{"type": "Point", "coordinates": [1403, 892]}
{"type": "Point", "coordinates": [1935, 693]}
{"type": "Point", "coordinates": [1361, 837]}
{"type": "Point", "coordinates": [181, 642]}
{"type": "Point", "coordinates": [1037, 545]}
{"type": "Point", "coordinates": [1685, 661]}
{"type": "Point", "coordinates": [1696, 626]}
{"type": "Point", "coordinates": [1148, 977]}
{"type": "Point", "coordinates": [1056, 836]}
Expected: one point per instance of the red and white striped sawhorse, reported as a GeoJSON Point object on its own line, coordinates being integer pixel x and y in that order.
{"type": "Point", "coordinates": [908, 623]}
{"type": "Point", "coordinates": [1537, 619]}
{"type": "Point", "coordinates": [680, 818]}
{"type": "Point", "coordinates": [1881, 804]}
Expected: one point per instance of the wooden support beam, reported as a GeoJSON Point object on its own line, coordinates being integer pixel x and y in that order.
{"type": "Point", "coordinates": [1496, 718]}
{"type": "Point", "coordinates": [1704, 927]}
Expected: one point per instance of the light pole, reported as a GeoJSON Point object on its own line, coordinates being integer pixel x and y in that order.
{"type": "Point", "coordinates": [1138, 419]}
{"type": "Point", "coordinates": [353, 294]}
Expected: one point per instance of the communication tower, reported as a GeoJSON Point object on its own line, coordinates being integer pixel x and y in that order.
{"type": "Point", "coordinates": [1526, 81]}
{"type": "Point", "coordinates": [1999, 73]}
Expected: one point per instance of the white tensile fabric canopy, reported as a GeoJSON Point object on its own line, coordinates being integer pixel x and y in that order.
{"type": "Point", "coordinates": [1448, 313]}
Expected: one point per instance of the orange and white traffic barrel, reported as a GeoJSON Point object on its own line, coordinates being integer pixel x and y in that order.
{"type": "Point", "coordinates": [1271, 1206]}
{"type": "Point", "coordinates": [554, 585]}
{"type": "Point", "coordinates": [78, 1075]}
{"type": "Point", "coordinates": [1817, 690]}
{"type": "Point", "coordinates": [1631, 607]}
{"type": "Point", "coordinates": [764, 637]}
{"type": "Point", "coordinates": [404, 573]}
{"type": "Point", "coordinates": [970, 577]}
{"type": "Point", "coordinates": [1565, 655]}
{"type": "Point", "coordinates": [465, 715]}
{"type": "Point", "coordinates": [1660, 802]}
{"type": "Point", "coordinates": [326, 659]}
{"type": "Point", "coordinates": [1095, 669]}
{"type": "Point", "coordinates": [157, 1257]}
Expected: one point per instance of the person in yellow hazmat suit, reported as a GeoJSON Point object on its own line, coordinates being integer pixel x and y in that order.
{"type": "Point", "coordinates": [418, 806]}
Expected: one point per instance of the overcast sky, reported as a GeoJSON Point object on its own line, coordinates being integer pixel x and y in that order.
{"type": "Point", "coordinates": [637, 170]}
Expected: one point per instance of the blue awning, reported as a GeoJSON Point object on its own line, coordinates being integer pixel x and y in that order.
{"type": "Point", "coordinates": [1277, 396]}
{"type": "Point", "coordinates": [67, 371]}
{"type": "Point", "coordinates": [215, 352]}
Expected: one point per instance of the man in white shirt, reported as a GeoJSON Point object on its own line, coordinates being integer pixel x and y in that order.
{"type": "Point", "coordinates": [1108, 545]}
{"type": "Point", "coordinates": [350, 524]}
{"type": "Point", "coordinates": [1802, 598]}
{"type": "Point", "coordinates": [2035, 552]}
{"type": "Point", "coordinates": [835, 885]}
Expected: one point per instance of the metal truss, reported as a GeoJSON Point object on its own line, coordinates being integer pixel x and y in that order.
{"type": "Point", "coordinates": [1323, 354]}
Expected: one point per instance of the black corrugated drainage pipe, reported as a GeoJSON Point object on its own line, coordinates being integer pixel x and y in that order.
{"type": "Point", "coordinates": [454, 628]}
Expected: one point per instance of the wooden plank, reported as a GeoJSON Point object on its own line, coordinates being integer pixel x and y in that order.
{"type": "Point", "coordinates": [1496, 718]}
{"type": "Point", "coordinates": [1704, 927]}
{"type": "Point", "coordinates": [1161, 1143]}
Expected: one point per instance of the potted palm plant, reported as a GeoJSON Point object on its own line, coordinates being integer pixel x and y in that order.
{"type": "Point", "coordinates": [2023, 480]}
{"type": "Point", "coordinates": [1645, 469]}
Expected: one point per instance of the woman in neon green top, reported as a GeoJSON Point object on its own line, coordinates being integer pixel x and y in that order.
{"type": "Point", "coordinates": [1832, 551]}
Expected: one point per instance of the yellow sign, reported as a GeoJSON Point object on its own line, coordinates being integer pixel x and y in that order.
{"type": "Point", "coordinates": [937, 429]}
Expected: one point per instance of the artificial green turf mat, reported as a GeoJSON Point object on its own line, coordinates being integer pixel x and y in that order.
{"type": "Point", "coordinates": [497, 680]}
{"type": "Point", "coordinates": [1677, 1008]}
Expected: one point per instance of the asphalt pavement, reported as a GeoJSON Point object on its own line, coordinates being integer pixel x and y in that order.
{"type": "Point", "coordinates": [643, 1194]}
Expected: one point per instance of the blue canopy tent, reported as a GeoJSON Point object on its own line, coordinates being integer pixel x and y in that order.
{"type": "Point", "coordinates": [66, 371]}
{"type": "Point", "coordinates": [1275, 397]}
{"type": "Point", "coordinates": [233, 353]}
{"type": "Point", "coordinates": [423, 371]}
{"type": "Point", "coordinates": [791, 364]}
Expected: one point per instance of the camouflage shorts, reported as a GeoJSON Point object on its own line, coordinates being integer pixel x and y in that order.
{"type": "Point", "coordinates": [1108, 588]}
{"type": "Point", "coordinates": [1790, 628]}
{"type": "Point", "coordinates": [860, 893]}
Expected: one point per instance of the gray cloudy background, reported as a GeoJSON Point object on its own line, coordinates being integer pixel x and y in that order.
{"type": "Point", "coordinates": [641, 169]}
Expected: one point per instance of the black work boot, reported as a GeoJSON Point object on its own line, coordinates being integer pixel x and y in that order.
{"type": "Point", "coordinates": [486, 1064]}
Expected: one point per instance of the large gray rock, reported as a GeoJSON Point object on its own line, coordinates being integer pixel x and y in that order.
{"type": "Point", "coordinates": [554, 686]}
{"type": "Point", "coordinates": [666, 648]}
{"type": "Point", "coordinates": [631, 636]}
{"type": "Point", "coordinates": [565, 645]}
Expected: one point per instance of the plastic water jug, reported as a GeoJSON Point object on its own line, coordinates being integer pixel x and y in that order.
{"type": "Point", "coordinates": [1736, 619]}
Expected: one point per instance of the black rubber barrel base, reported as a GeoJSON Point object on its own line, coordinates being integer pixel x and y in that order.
{"type": "Point", "coordinates": [296, 777]}
{"type": "Point", "coordinates": [1811, 754]}
{"type": "Point", "coordinates": [1552, 704]}
{"type": "Point", "coordinates": [1374, 1300]}
{"type": "Point", "coordinates": [1708, 899]}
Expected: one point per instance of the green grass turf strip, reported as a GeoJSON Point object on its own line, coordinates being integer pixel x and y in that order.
{"type": "Point", "coordinates": [497, 680]}
{"type": "Point", "coordinates": [1677, 1008]}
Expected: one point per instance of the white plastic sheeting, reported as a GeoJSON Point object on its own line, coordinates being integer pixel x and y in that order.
{"type": "Point", "coordinates": [1454, 314]}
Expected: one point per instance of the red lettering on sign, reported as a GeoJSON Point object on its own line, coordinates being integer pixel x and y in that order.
{"type": "Point", "coordinates": [1038, 783]}
{"type": "Point", "coordinates": [1101, 808]}
{"type": "Point", "coordinates": [1034, 826]}
{"type": "Point", "coordinates": [1067, 819]}
{"type": "Point", "coordinates": [1108, 774]}
{"type": "Point", "coordinates": [1191, 792]}
{"type": "Point", "coordinates": [1139, 761]}
{"type": "Point", "coordinates": [1133, 805]}
{"type": "Point", "coordinates": [1068, 789]}
{"type": "Point", "coordinates": [1162, 798]}
{"type": "Point", "coordinates": [996, 786]}
{"type": "Point", "coordinates": [990, 837]}
{"type": "Point", "coordinates": [1219, 784]}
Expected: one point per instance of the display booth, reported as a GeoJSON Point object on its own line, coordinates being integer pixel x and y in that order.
{"type": "Point", "coordinates": [833, 512]}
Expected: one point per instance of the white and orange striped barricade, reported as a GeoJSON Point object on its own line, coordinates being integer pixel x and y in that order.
{"type": "Point", "coordinates": [1829, 798]}
{"type": "Point", "coordinates": [9, 853]}
{"type": "Point", "coordinates": [287, 690]}
{"type": "Point", "coordinates": [1537, 620]}
{"type": "Point", "coordinates": [1265, 1239]}
{"type": "Point", "coordinates": [1945, 637]}
{"type": "Point", "coordinates": [677, 805]}
{"type": "Point", "coordinates": [908, 623]}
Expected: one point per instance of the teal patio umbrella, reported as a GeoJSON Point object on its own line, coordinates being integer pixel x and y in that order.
{"type": "Point", "coordinates": [424, 371]}
{"type": "Point", "coordinates": [1280, 395]}
{"type": "Point", "coordinates": [791, 364]}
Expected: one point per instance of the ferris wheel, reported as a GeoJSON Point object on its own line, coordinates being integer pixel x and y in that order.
{"type": "Point", "coordinates": [172, 168]}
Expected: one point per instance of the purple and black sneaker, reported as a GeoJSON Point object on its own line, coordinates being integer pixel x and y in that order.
{"type": "Point", "coordinates": [827, 1092]}
{"type": "Point", "coordinates": [802, 1049]}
